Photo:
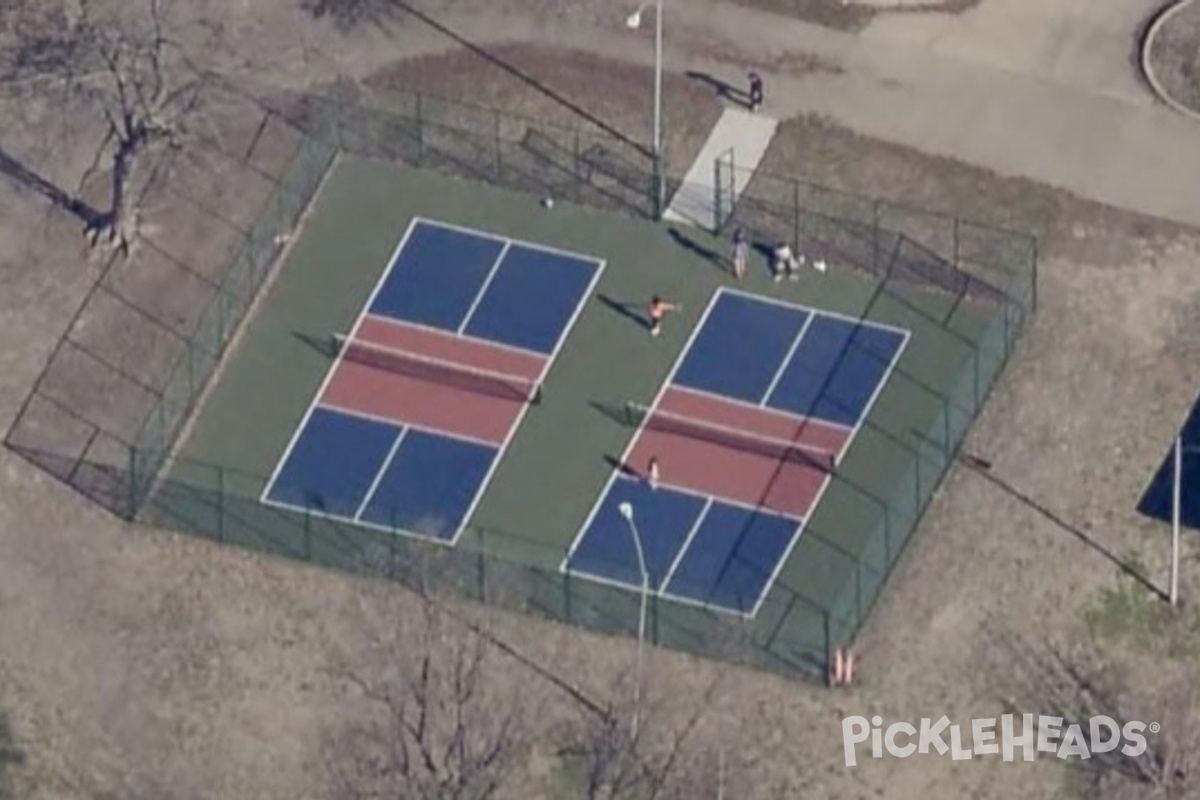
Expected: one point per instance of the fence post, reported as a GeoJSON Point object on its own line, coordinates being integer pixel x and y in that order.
{"type": "Point", "coordinates": [957, 256]}
{"type": "Point", "coordinates": [420, 132]}
{"type": "Point", "coordinates": [133, 480]}
{"type": "Point", "coordinates": [828, 648]}
{"type": "Point", "coordinates": [576, 172]}
{"type": "Point", "coordinates": [220, 504]}
{"type": "Point", "coordinates": [796, 215]}
{"type": "Point", "coordinates": [875, 237]}
{"type": "Point", "coordinates": [1034, 288]}
{"type": "Point", "coordinates": [718, 214]}
{"type": "Point", "coordinates": [496, 140]}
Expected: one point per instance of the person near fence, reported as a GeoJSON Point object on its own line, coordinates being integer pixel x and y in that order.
{"type": "Point", "coordinates": [741, 253]}
{"type": "Point", "coordinates": [756, 91]}
{"type": "Point", "coordinates": [659, 308]}
{"type": "Point", "coordinates": [786, 262]}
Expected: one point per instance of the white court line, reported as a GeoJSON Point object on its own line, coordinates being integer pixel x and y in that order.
{"type": "Point", "coordinates": [462, 326]}
{"type": "Point", "coordinates": [767, 410]}
{"type": "Point", "coordinates": [451, 335]}
{"type": "Point", "coordinates": [563, 335]}
{"type": "Point", "coordinates": [662, 389]}
{"type": "Point", "coordinates": [383, 468]}
{"type": "Point", "coordinates": [362, 315]}
{"type": "Point", "coordinates": [395, 423]}
{"type": "Point", "coordinates": [787, 361]}
{"type": "Point", "coordinates": [823, 312]}
{"type": "Point", "coordinates": [450, 226]}
{"type": "Point", "coordinates": [308, 512]}
{"type": "Point", "coordinates": [686, 543]}
{"type": "Point", "coordinates": [866, 412]}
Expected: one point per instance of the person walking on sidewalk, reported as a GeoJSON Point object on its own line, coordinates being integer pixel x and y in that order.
{"type": "Point", "coordinates": [756, 91]}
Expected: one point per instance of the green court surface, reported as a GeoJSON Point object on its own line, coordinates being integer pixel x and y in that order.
{"type": "Point", "coordinates": [561, 456]}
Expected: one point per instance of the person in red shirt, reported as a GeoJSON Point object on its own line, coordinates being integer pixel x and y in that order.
{"type": "Point", "coordinates": [659, 308]}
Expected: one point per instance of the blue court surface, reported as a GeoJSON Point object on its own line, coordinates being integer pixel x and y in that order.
{"type": "Point", "coordinates": [761, 359]}
{"type": "Point", "coordinates": [381, 469]}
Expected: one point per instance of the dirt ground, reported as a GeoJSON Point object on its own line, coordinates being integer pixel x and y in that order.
{"type": "Point", "coordinates": [138, 663]}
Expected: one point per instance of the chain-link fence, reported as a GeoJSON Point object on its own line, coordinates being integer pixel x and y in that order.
{"type": "Point", "coordinates": [122, 380]}
{"type": "Point", "coordinates": [588, 166]}
{"type": "Point", "coordinates": [229, 304]}
{"type": "Point", "coordinates": [879, 238]}
{"type": "Point", "coordinates": [968, 267]}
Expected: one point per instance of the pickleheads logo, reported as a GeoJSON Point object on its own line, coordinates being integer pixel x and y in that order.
{"type": "Point", "coordinates": [995, 736]}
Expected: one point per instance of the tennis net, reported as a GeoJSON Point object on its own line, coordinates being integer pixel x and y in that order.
{"type": "Point", "coordinates": [502, 385]}
{"type": "Point", "coordinates": [656, 419]}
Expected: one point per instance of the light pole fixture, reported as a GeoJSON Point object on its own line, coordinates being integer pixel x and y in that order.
{"type": "Point", "coordinates": [634, 21]}
{"type": "Point", "coordinates": [626, 510]}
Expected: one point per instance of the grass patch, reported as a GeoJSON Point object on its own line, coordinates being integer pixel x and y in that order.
{"type": "Point", "coordinates": [1127, 609]}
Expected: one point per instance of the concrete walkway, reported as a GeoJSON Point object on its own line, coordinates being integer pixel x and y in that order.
{"type": "Point", "coordinates": [1055, 112]}
{"type": "Point", "coordinates": [738, 142]}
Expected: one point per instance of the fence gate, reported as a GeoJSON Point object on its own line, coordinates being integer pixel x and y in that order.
{"type": "Point", "coordinates": [724, 189]}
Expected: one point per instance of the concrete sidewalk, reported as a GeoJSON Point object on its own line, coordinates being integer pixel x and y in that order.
{"type": "Point", "coordinates": [1048, 113]}
{"type": "Point", "coordinates": [1114, 147]}
{"type": "Point", "coordinates": [740, 139]}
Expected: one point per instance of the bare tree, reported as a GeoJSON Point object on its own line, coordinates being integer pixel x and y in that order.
{"type": "Point", "coordinates": [1075, 686]}
{"type": "Point", "coordinates": [117, 69]}
{"type": "Point", "coordinates": [435, 714]}
{"type": "Point", "coordinates": [667, 756]}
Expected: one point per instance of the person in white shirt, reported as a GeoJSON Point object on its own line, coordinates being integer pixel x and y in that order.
{"type": "Point", "coordinates": [786, 262]}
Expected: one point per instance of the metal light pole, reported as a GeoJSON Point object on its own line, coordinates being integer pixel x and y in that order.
{"type": "Point", "coordinates": [626, 510]}
{"type": "Point", "coordinates": [634, 21]}
{"type": "Point", "coordinates": [1176, 512]}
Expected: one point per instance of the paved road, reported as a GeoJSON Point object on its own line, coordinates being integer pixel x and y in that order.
{"type": "Point", "coordinates": [1047, 91]}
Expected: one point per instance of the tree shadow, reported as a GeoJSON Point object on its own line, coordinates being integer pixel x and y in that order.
{"type": "Point", "coordinates": [982, 468]}
{"type": "Point", "coordinates": [357, 11]}
{"type": "Point", "coordinates": [346, 14]}
{"type": "Point", "coordinates": [625, 308]}
{"type": "Point", "coordinates": [10, 756]}
{"type": "Point", "coordinates": [724, 90]}
{"type": "Point", "coordinates": [26, 178]}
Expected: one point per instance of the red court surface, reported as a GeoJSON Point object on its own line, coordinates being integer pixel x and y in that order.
{"type": "Point", "coordinates": [428, 403]}
{"type": "Point", "coordinates": [695, 465]}
{"type": "Point", "coordinates": [804, 431]}
{"type": "Point", "coordinates": [450, 347]}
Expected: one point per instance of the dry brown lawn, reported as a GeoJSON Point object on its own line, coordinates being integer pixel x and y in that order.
{"type": "Point", "coordinates": [138, 663]}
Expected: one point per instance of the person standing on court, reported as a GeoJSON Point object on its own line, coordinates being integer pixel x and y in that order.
{"type": "Point", "coordinates": [756, 91]}
{"type": "Point", "coordinates": [786, 262]}
{"type": "Point", "coordinates": [659, 309]}
{"type": "Point", "coordinates": [741, 253]}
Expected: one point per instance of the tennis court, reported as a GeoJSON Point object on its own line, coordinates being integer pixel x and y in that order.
{"type": "Point", "coordinates": [754, 417]}
{"type": "Point", "coordinates": [434, 379]}
{"type": "Point", "coordinates": [451, 385]}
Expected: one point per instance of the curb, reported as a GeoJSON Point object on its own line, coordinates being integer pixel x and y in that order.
{"type": "Point", "coordinates": [1163, 16]}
